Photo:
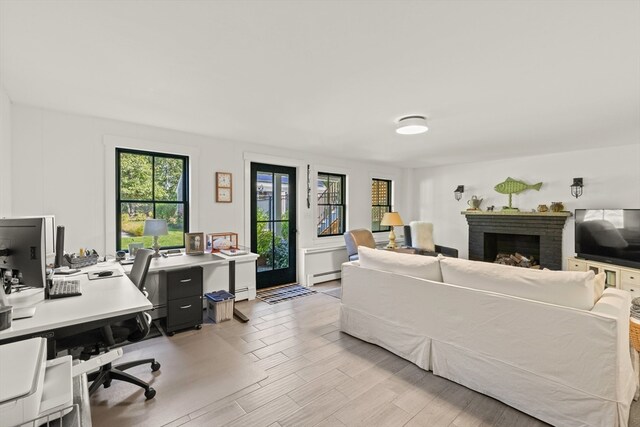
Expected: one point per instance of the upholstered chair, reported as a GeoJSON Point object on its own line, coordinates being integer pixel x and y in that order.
{"type": "Point", "coordinates": [355, 238]}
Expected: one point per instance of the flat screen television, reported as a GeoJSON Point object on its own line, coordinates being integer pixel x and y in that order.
{"type": "Point", "coordinates": [609, 235]}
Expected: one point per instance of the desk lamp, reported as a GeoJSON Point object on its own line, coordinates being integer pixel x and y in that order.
{"type": "Point", "coordinates": [391, 219]}
{"type": "Point", "coordinates": [155, 228]}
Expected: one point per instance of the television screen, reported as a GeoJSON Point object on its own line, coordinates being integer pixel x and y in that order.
{"type": "Point", "coordinates": [609, 235]}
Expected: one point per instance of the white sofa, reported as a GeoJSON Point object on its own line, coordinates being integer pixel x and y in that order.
{"type": "Point", "coordinates": [540, 354]}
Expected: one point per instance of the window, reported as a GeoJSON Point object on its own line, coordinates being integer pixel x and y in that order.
{"type": "Point", "coordinates": [380, 203]}
{"type": "Point", "coordinates": [151, 185]}
{"type": "Point", "coordinates": [331, 204]}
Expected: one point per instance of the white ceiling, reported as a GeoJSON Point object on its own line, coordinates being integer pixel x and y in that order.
{"type": "Point", "coordinates": [496, 79]}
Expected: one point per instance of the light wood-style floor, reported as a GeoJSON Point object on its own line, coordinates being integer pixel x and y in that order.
{"type": "Point", "coordinates": [316, 376]}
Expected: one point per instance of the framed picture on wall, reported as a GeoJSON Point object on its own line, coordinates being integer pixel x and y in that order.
{"type": "Point", "coordinates": [224, 187]}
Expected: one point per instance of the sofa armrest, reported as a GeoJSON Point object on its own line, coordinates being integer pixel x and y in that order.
{"type": "Point", "coordinates": [616, 303]}
{"type": "Point", "coordinates": [451, 252]}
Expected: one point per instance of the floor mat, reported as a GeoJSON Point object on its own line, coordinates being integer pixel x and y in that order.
{"type": "Point", "coordinates": [283, 293]}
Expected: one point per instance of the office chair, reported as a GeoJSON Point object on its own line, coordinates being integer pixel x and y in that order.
{"type": "Point", "coordinates": [98, 340]}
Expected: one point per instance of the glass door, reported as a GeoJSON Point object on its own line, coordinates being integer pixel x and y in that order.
{"type": "Point", "coordinates": [273, 223]}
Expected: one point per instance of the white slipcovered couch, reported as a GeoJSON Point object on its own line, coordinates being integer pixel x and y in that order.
{"type": "Point", "coordinates": [551, 344]}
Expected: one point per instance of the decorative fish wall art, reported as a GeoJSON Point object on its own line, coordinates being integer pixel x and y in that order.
{"type": "Point", "coordinates": [511, 186]}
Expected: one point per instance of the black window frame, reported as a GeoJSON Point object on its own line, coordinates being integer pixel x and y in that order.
{"type": "Point", "coordinates": [343, 192]}
{"type": "Point", "coordinates": [185, 191]}
{"type": "Point", "coordinates": [389, 205]}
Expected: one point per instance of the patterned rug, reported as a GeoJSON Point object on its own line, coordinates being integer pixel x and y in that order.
{"type": "Point", "coordinates": [283, 293]}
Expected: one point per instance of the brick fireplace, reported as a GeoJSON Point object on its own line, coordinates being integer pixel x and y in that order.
{"type": "Point", "coordinates": [529, 233]}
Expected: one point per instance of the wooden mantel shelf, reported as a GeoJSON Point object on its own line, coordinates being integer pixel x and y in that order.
{"type": "Point", "coordinates": [516, 213]}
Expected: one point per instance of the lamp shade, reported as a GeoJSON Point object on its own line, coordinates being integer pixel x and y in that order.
{"type": "Point", "coordinates": [155, 227]}
{"type": "Point", "coordinates": [391, 219]}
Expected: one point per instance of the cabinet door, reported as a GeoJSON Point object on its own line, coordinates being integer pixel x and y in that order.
{"type": "Point", "coordinates": [630, 278]}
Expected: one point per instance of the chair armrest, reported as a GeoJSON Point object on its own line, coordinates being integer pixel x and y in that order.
{"type": "Point", "coordinates": [446, 251]}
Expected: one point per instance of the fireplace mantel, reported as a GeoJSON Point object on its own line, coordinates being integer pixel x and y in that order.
{"type": "Point", "coordinates": [547, 226]}
{"type": "Point", "coordinates": [515, 213]}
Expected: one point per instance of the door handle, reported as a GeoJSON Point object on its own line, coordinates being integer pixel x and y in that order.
{"type": "Point", "coordinates": [185, 280]}
{"type": "Point", "coordinates": [184, 307]}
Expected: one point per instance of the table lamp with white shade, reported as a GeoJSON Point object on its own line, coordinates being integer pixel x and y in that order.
{"type": "Point", "coordinates": [155, 228]}
{"type": "Point", "coordinates": [391, 219]}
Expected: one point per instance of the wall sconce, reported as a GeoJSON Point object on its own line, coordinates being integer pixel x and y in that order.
{"type": "Point", "coordinates": [458, 192]}
{"type": "Point", "coordinates": [576, 187]}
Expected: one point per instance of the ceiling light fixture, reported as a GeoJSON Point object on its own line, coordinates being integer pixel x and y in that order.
{"type": "Point", "coordinates": [412, 125]}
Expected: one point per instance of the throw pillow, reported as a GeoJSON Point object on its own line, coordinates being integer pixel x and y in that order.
{"type": "Point", "coordinates": [599, 285]}
{"type": "Point", "coordinates": [422, 235]}
{"type": "Point", "coordinates": [424, 267]}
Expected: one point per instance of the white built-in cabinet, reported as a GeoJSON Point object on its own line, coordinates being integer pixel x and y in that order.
{"type": "Point", "coordinates": [625, 278]}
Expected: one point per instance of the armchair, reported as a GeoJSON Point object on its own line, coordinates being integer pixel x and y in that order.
{"type": "Point", "coordinates": [358, 237]}
{"type": "Point", "coordinates": [444, 250]}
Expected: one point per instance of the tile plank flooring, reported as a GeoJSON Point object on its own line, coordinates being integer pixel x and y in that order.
{"type": "Point", "coordinates": [317, 376]}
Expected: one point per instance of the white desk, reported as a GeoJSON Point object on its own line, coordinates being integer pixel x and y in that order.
{"type": "Point", "coordinates": [102, 302]}
{"type": "Point", "coordinates": [216, 276]}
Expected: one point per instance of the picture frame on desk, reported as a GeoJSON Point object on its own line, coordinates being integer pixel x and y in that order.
{"type": "Point", "coordinates": [194, 243]}
{"type": "Point", "coordinates": [133, 248]}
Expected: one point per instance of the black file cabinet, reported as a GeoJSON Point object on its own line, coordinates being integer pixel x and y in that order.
{"type": "Point", "coordinates": [184, 298]}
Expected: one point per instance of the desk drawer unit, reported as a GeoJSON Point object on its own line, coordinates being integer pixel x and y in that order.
{"type": "Point", "coordinates": [184, 298]}
{"type": "Point", "coordinates": [184, 313]}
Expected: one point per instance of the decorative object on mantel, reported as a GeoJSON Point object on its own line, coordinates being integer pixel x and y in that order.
{"type": "Point", "coordinates": [557, 207]}
{"type": "Point", "coordinates": [391, 219]}
{"type": "Point", "coordinates": [514, 212]}
{"type": "Point", "coordinates": [457, 193]}
{"type": "Point", "coordinates": [543, 208]}
{"type": "Point", "coordinates": [474, 203]}
{"type": "Point", "coordinates": [511, 186]}
{"type": "Point", "coordinates": [576, 187]}
{"type": "Point", "coordinates": [490, 208]}
{"type": "Point", "coordinates": [224, 187]}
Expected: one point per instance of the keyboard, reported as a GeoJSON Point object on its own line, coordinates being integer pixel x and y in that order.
{"type": "Point", "coordinates": [66, 288]}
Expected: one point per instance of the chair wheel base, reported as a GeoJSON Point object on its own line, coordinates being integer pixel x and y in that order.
{"type": "Point", "coordinates": [150, 393]}
{"type": "Point", "coordinates": [155, 366]}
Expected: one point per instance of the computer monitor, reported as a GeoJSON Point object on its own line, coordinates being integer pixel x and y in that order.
{"type": "Point", "coordinates": [23, 249]}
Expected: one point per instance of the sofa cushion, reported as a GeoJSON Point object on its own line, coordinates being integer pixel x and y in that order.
{"type": "Point", "coordinates": [424, 267]}
{"type": "Point", "coordinates": [600, 282]}
{"type": "Point", "coordinates": [567, 288]}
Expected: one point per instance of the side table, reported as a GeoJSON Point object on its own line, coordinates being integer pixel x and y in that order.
{"type": "Point", "coordinates": [402, 250]}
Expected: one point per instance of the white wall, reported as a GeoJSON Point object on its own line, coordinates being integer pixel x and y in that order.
{"type": "Point", "coordinates": [5, 153]}
{"type": "Point", "coordinates": [611, 180]}
{"type": "Point", "coordinates": [59, 168]}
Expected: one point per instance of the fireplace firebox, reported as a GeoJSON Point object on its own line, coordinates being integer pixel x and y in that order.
{"type": "Point", "coordinates": [531, 234]}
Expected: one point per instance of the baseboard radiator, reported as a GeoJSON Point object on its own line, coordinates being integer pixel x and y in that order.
{"type": "Point", "coordinates": [321, 264]}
